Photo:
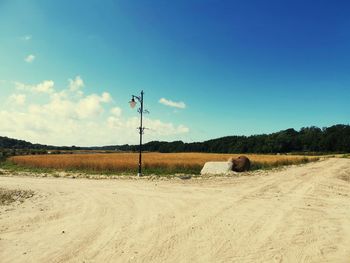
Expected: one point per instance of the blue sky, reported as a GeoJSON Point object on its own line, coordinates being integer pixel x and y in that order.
{"type": "Point", "coordinates": [68, 68]}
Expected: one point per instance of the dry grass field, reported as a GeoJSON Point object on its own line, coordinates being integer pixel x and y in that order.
{"type": "Point", "coordinates": [152, 162]}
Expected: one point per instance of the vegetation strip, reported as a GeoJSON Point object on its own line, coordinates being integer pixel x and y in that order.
{"type": "Point", "coordinates": [9, 196]}
{"type": "Point", "coordinates": [333, 139]}
{"type": "Point", "coordinates": [154, 163]}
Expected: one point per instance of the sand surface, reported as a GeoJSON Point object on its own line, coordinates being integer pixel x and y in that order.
{"type": "Point", "coordinates": [298, 214]}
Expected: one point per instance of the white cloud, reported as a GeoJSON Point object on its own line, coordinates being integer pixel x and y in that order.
{"type": "Point", "coordinates": [47, 86]}
{"type": "Point", "coordinates": [170, 103]}
{"type": "Point", "coordinates": [21, 86]}
{"type": "Point", "coordinates": [26, 37]}
{"type": "Point", "coordinates": [116, 111]}
{"type": "Point", "coordinates": [30, 58]}
{"type": "Point", "coordinates": [161, 128]}
{"type": "Point", "coordinates": [90, 106]}
{"type": "Point", "coordinates": [106, 97]}
{"type": "Point", "coordinates": [18, 99]}
{"type": "Point", "coordinates": [76, 84]}
{"type": "Point", "coordinates": [60, 117]}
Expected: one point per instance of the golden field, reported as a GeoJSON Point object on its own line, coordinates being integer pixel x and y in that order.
{"type": "Point", "coordinates": [165, 162]}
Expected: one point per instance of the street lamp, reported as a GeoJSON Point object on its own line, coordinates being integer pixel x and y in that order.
{"type": "Point", "coordinates": [140, 110]}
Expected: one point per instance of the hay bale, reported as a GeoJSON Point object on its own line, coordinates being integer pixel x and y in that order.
{"type": "Point", "coordinates": [240, 164]}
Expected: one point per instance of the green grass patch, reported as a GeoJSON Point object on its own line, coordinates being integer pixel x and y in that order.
{"type": "Point", "coordinates": [12, 167]}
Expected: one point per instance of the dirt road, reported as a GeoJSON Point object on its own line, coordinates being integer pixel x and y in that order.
{"type": "Point", "coordinates": [299, 214]}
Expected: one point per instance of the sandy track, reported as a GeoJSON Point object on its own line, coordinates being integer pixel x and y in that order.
{"type": "Point", "coordinates": [300, 214]}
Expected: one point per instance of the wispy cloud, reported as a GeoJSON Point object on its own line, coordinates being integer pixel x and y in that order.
{"type": "Point", "coordinates": [18, 99]}
{"type": "Point", "coordinates": [26, 37]}
{"type": "Point", "coordinates": [47, 86]}
{"type": "Point", "coordinates": [76, 84]}
{"type": "Point", "coordinates": [30, 58]}
{"type": "Point", "coordinates": [116, 111]}
{"type": "Point", "coordinates": [170, 103]}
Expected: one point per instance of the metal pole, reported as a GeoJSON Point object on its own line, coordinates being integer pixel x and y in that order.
{"type": "Point", "coordinates": [141, 132]}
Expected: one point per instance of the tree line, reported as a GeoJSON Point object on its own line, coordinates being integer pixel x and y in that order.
{"type": "Point", "coordinates": [308, 140]}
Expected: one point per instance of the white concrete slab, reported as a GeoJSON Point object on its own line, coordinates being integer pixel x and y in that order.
{"type": "Point", "coordinates": [217, 168]}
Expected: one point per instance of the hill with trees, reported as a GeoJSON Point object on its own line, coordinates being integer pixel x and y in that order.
{"type": "Point", "coordinates": [9, 143]}
{"type": "Point", "coordinates": [310, 139]}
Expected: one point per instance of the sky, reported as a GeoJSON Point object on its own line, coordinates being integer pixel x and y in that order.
{"type": "Point", "coordinates": [208, 68]}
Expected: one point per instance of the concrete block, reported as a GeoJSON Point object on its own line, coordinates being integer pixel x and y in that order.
{"type": "Point", "coordinates": [217, 168]}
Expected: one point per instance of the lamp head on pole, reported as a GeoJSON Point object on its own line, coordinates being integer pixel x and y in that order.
{"type": "Point", "coordinates": [132, 103]}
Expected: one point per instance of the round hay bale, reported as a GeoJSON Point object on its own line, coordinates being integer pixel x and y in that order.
{"type": "Point", "coordinates": [240, 164]}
